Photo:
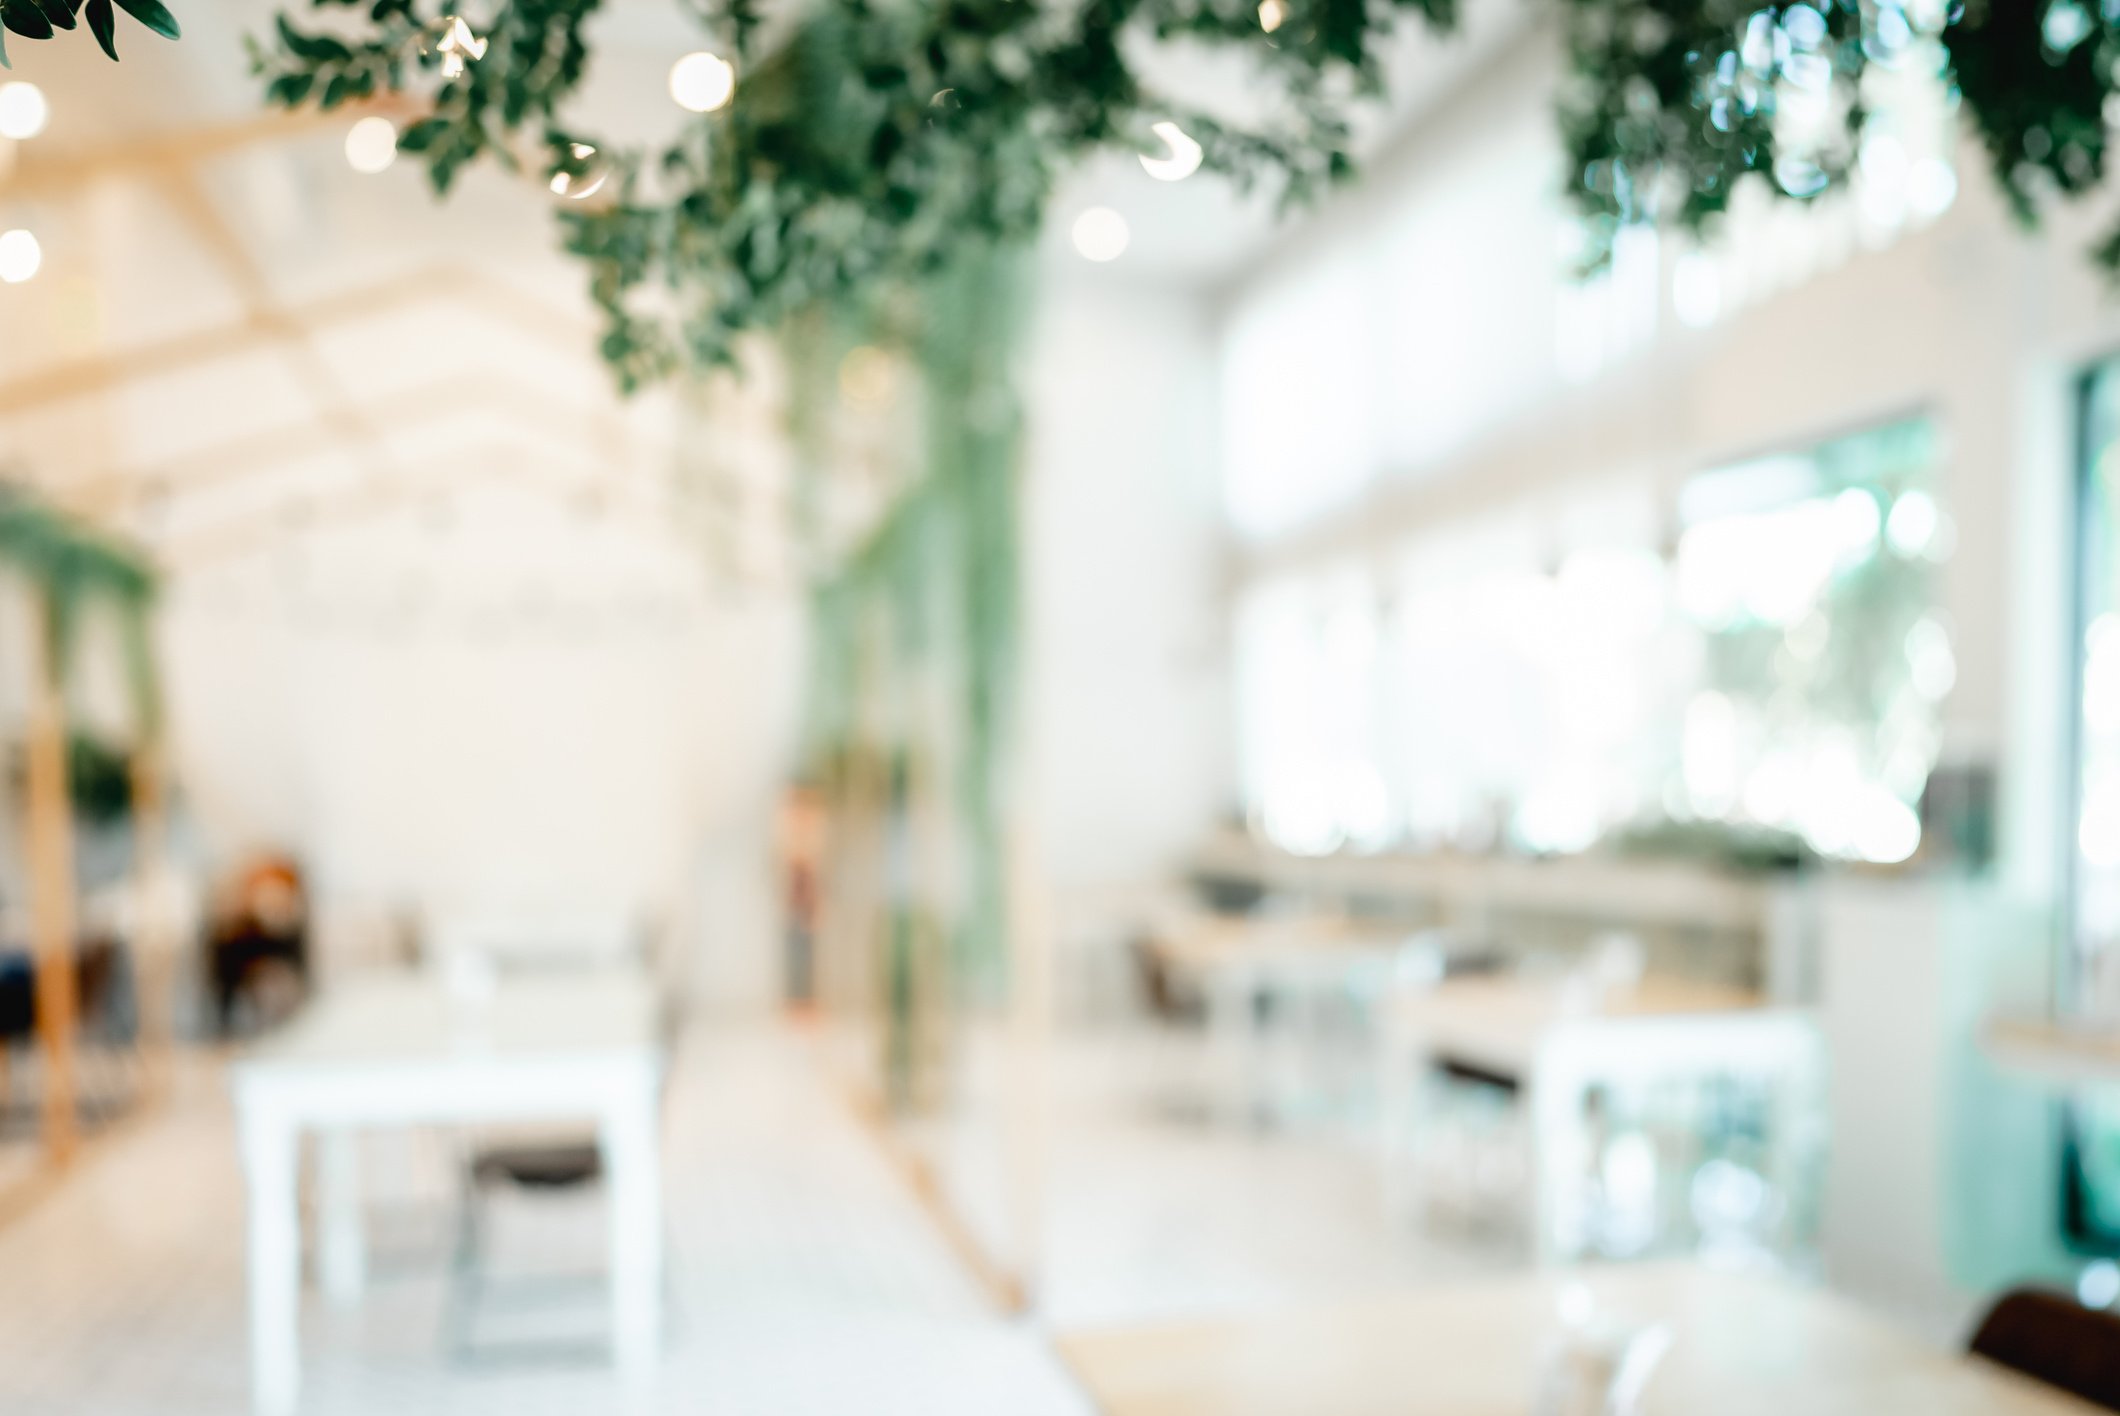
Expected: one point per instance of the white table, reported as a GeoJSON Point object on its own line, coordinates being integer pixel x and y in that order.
{"type": "Point", "coordinates": [1302, 963]}
{"type": "Point", "coordinates": [396, 1051]}
{"type": "Point", "coordinates": [1557, 1044]}
{"type": "Point", "coordinates": [1742, 1347]}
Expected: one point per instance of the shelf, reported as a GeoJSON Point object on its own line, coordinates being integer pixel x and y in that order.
{"type": "Point", "coordinates": [2070, 1053]}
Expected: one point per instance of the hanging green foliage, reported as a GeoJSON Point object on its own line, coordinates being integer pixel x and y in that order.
{"type": "Point", "coordinates": [40, 19]}
{"type": "Point", "coordinates": [71, 568]}
{"type": "Point", "coordinates": [868, 142]}
{"type": "Point", "coordinates": [1671, 105]}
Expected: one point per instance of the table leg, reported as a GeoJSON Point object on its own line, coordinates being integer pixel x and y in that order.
{"type": "Point", "coordinates": [275, 1258]}
{"type": "Point", "coordinates": [1553, 1113]}
{"type": "Point", "coordinates": [633, 1165]}
{"type": "Point", "coordinates": [1398, 1088]}
{"type": "Point", "coordinates": [1233, 1031]}
{"type": "Point", "coordinates": [341, 1250]}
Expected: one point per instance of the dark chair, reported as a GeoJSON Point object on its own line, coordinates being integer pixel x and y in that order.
{"type": "Point", "coordinates": [107, 1020]}
{"type": "Point", "coordinates": [543, 1167]}
{"type": "Point", "coordinates": [2049, 1336]}
{"type": "Point", "coordinates": [558, 1165]}
{"type": "Point", "coordinates": [1169, 998]}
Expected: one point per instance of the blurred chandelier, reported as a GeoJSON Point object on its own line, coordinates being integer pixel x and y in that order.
{"type": "Point", "coordinates": [869, 143]}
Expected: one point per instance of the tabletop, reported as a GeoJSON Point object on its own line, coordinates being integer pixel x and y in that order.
{"type": "Point", "coordinates": [1217, 941]}
{"type": "Point", "coordinates": [411, 1018]}
{"type": "Point", "coordinates": [1500, 1019]}
{"type": "Point", "coordinates": [1743, 1346]}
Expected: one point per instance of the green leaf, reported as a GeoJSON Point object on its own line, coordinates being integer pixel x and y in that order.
{"type": "Point", "coordinates": [103, 23]}
{"type": "Point", "coordinates": [421, 135]}
{"type": "Point", "coordinates": [288, 90]}
{"type": "Point", "coordinates": [155, 15]}
{"type": "Point", "coordinates": [335, 92]}
{"type": "Point", "coordinates": [5, 62]}
{"type": "Point", "coordinates": [25, 19]}
{"type": "Point", "coordinates": [59, 12]}
{"type": "Point", "coordinates": [315, 48]}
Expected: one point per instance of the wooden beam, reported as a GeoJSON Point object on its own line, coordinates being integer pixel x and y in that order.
{"type": "Point", "coordinates": [184, 191]}
{"type": "Point", "coordinates": [41, 172]}
{"type": "Point", "coordinates": [259, 454]}
{"type": "Point", "coordinates": [256, 329]}
{"type": "Point", "coordinates": [85, 377]}
{"type": "Point", "coordinates": [254, 532]}
{"type": "Point", "coordinates": [51, 889]}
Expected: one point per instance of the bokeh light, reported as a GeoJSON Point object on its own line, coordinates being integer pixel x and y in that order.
{"type": "Point", "coordinates": [1101, 234]}
{"type": "Point", "coordinates": [702, 82]}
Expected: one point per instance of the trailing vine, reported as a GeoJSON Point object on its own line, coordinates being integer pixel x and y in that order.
{"type": "Point", "coordinates": [73, 568]}
{"type": "Point", "coordinates": [1672, 104]}
{"type": "Point", "coordinates": [869, 141]}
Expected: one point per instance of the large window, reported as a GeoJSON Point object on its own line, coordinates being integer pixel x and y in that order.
{"type": "Point", "coordinates": [1780, 665]}
{"type": "Point", "coordinates": [2091, 980]}
{"type": "Point", "coordinates": [1809, 578]}
{"type": "Point", "coordinates": [1310, 738]}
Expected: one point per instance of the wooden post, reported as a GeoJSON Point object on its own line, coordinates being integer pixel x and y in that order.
{"type": "Point", "coordinates": [1027, 1144]}
{"type": "Point", "coordinates": [155, 944]}
{"type": "Point", "coordinates": [51, 888]}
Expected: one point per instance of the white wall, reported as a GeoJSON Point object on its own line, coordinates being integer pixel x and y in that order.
{"type": "Point", "coordinates": [1125, 678]}
{"type": "Point", "coordinates": [496, 699]}
{"type": "Point", "coordinates": [507, 707]}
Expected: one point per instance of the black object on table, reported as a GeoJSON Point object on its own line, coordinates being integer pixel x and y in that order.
{"type": "Point", "coordinates": [2049, 1336]}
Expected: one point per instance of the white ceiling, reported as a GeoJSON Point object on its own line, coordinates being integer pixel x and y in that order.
{"type": "Point", "coordinates": [256, 335]}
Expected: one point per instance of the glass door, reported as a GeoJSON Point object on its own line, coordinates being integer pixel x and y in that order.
{"type": "Point", "coordinates": [2088, 976]}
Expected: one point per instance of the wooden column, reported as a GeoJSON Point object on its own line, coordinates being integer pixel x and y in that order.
{"type": "Point", "coordinates": [51, 888]}
{"type": "Point", "coordinates": [155, 943]}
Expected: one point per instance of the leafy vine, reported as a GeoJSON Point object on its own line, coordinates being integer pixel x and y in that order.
{"type": "Point", "coordinates": [875, 140]}
{"type": "Point", "coordinates": [869, 144]}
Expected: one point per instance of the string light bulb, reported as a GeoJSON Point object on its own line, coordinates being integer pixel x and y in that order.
{"type": "Point", "coordinates": [1272, 14]}
{"type": "Point", "coordinates": [371, 145]}
{"type": "Point", "coordinates": [23, 111]}
{"type": "Point", "coordinates": [1101, 234]}
{"type": "Point", "coordinates": [702, 82]}
{"type": "Point", "coordinates": [580, 186]}
{"type": "Point", "coordinates": [458, 46]}
{"type": "Point", "coordinates": [20, 256]}
{"type": "Point", "coordinates": [1183, 157]}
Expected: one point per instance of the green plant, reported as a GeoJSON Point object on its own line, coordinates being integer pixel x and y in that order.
{"type": "Point", "coordinates": [71, 567]}
{"type": "Point", "coordinates": [872, 137]}
{"type": "Point", "coordinates": [40, 19]}
{"type": "Point", "coordinates": [1671, 104]}
{"type": "Point", "coordinates": [99, 778]}
{"type": "Point", "coordinates": [868, 144]}
{"type": "Point", "coordinates": [869, 141]}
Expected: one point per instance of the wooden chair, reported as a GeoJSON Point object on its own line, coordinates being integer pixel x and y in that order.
{"type": "Point", "coordinates": [2049, 1336]}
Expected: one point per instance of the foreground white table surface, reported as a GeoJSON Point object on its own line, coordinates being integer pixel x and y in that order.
{"type": "Point", "coordinates": [1743, 1347]}
{"type": "Point", "coordinates": [394, 1051]}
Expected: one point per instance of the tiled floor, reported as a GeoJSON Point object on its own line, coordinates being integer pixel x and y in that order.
{"type": "Point", "coordinates": [805, 1280]}
{"type": "Point", "coordinates": [1154, 1211]}
{"type": "Point", "coordinates": [805, 1277]}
